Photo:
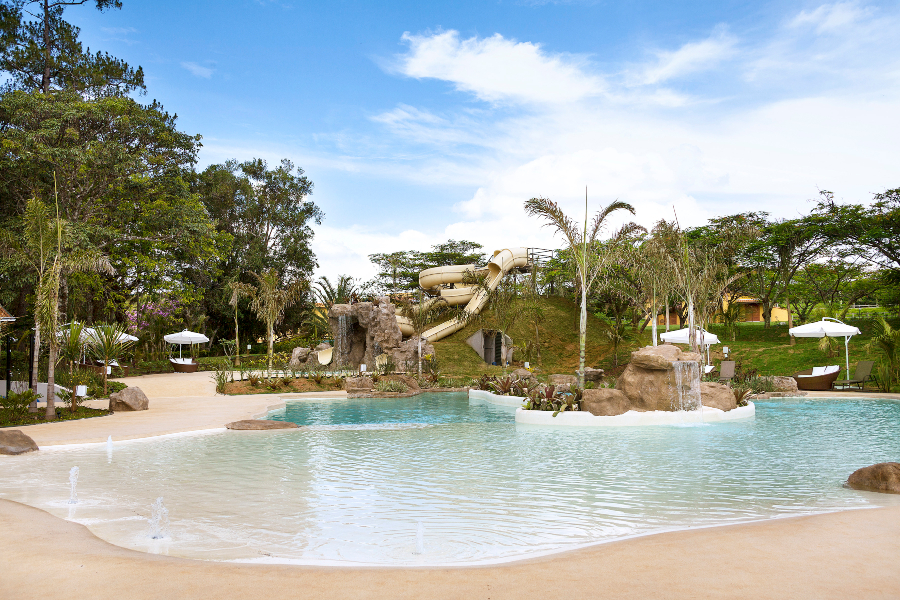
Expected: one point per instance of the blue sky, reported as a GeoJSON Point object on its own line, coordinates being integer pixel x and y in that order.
{"type": "Point", "coordinates": [420, 122]}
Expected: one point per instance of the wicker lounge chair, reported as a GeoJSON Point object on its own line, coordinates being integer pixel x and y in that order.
{"type": "Point", "coordinates": [184, 365]}
{"type": "Point", "coordinates": [726, 371]}
{"type": "Point", "coordinates": [817, 378]}
{"type": "Point", "coordinates": [860, 376]}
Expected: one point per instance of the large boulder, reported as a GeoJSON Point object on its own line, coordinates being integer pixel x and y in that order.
{"type": "Point", "coordinates": [559, 380]}
{"type": "Point", "coordinates": [883, 477]}
{"type": "Point", "coordinates": [260, 425]}
{"type": "Point", "coordinates": [322, 346]}
{"type": "Point", "coordinates": [13, 441]}
{"type": "Point", "coordinates": [605, 402]}
{"type": "Point", "coordinates": [650, 382]}
{"type": "Point", "coordinates": [523, 374]}
{"type": "Point", "coordinates": [784, 384]}
{"type": "Point", "coordinates": [131, 398]}
{"type": "Point", "coordinates": [405, 356]}
{"type": "Point", "coordinates": [594, 375]}
{"type": "Point", "coordinates": [358, 384]}
{"type": "Point", "coordinates": [716, 395]}
{"type": "Point", "coordinates": [299, 356]}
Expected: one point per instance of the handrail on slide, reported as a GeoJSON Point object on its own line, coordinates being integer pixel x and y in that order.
{"type": "Point", "coordinates": [500, 264]}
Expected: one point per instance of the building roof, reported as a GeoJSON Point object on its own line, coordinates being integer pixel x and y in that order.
{"type": "Point", "coordinates": [5, 317]}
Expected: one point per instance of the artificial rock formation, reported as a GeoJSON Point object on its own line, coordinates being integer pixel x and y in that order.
{"type": "Point", "coordinates": [356, 385]}
{"type": "Point", "coordinates": [260, 425]}
{"type": "Point", "coordinates": [595, 375]}
{"type": "Point", "coordinates": [649, 380]}
{"type": "Point", "coordinates": [523, 375]}
{"type": "Point", "coordinates": [365, 330]}
{"type": "Point", "coordinates": [562, 382]}
{"type": "Point", "coordinates": [131, 398]}
{"type": "Point", "coordinates": [784, 384]}
{"type": "Point", "coordinates": [13, 441]}
{"type": "Point", "coordinates": [883, 477]}
{"type": "Point", "coordinates": [299, 356]}
{"type": "Point", "coordinates": [605, 402]}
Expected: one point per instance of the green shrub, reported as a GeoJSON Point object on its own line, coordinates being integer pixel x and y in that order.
{"type": "Point", "coordinates": [15, 405]}
{"type": "Point", "coordinates": [390, 385]}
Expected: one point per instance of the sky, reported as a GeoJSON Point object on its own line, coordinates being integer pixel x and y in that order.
{"type": "Point", "coordinates": [420, 122]}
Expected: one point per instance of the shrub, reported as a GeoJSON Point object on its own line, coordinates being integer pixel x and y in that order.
{"type": "Point", "coordinates": [15, 405]}
{"type": "Point", "coordinates": [390, 385]}
{"type": "Point", "coordinates": [760, 384]}
{"type": "Point", "coordinates": [387, 366]}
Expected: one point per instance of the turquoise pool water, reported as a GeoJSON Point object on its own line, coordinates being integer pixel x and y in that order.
{"type": "Point", "coordinates": [353, 487]}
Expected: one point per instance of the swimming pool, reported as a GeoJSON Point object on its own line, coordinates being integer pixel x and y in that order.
{"type": "Point", "coordinates": [354, 487]}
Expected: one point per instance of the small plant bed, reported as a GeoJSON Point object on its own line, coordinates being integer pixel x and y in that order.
{"type": "Point", "coordinates": [282, 386]}
{"type": "Point", "coordinates": [63, 413]}
{"type": "Point", "coordinates": [537, 396]}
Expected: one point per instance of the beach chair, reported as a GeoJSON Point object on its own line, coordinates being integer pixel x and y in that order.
{"type": "Point", "coordinates": [862, 374]}
{"type": "Point", "coordinates": [726, 371]}
{"type": "Point", "coordinates": [817, 378]}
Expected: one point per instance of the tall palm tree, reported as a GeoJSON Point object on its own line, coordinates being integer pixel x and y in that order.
{"type": "Point", "coordinates": [590, 255]}
{"type": "Point", "coordinates": [237, 292]}
{"type": "Point", "coordinates": [47, 246]}
{"type": "Point", "coordinates": [269, 299]}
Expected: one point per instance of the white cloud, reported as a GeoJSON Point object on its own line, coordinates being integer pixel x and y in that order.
{"type": "Point", "coordinates": [497, 69]}
{"type": "Point", "coordinates": [831, 17]}
{"type": "Point", "coordinates": [690, 58]}
{"type": "Point", "coordinates": [198, 70]}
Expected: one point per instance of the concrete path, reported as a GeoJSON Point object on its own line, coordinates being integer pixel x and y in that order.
{"type": "Point", "coordinates": [179, 402]}
{"type": "Point", "coordinates": [840, 555]}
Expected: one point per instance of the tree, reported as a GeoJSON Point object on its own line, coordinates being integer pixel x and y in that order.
{"type": "Point", "coordinates": [781, 248]}
{"type": "Point", "coordinates": [886, 340]}
{"type": "Point", "coordinates": [107, 344]}
{"type": "Point", "coordinates": [44, 54]}
{"type": "Point", "coordinates": [48, 246]}
{"type": "Point", "coordinates": [399, 271]}
{"type": "Point", "coordinates": [589, 255]}
{"type": "Point", "coordinates": [269, 299]}
{"type": "Point", "coordinates": [237, 292]}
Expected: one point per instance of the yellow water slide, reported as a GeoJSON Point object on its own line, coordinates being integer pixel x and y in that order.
{"type": "Point", "coordinates": [431, 280]}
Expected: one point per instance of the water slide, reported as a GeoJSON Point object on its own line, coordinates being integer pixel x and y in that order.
{"type": "Point", "coordinates": [432, 280]}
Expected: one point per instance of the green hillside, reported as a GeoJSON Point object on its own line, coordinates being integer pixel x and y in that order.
{"type": "Point", "coordinates": [768, 351]}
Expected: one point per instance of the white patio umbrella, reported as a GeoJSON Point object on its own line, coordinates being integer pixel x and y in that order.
{"type": "Point", "coordinates": [185, 337]}
{"type": "Point", "coordinates": [682, 336]}
{"type": "Point", "coordinates": [831, 328]}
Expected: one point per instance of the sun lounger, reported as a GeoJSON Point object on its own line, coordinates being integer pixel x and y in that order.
{"type": "Point", "coordinates": [184, 365]}
{"type": "Point", "coordinates": [860, 376]}
{"type": "Point", "coordinates": [817, 378]}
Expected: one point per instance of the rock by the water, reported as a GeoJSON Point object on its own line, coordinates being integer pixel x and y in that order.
{"type": "Point", "coordinates": [523, 374]}
{"type": "Point", "coordinates": [323, 346]}
{"type": "Point", "coordinates": [605, 402]}
{"type": "Point", "coordinates": [358, 384]}
{"type": "Point", "coordinates": [883, 477]}
{"type": "Point", "coordinates": [717, 395]}
{"type": "Point", "coordinates": [649, 380]}
{"type": "Point", "coordinates": [595, 375]}
{"type": "Point", "coordinates": [260, 425]}
{"type": "Point", "coordinates": [784, 384]}
{"type": "Point", "coordinates": [13, 441]}
{"type": "Point", "coordinates": [131, 398]}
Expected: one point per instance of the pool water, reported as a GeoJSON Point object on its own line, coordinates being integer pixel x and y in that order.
{"type": "Point", "coordinates": [354, 486]}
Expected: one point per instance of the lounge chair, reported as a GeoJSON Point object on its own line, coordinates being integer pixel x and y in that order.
{"type": "Point", "coordinates": [817, 378]}
{"type": "Point", "coordinates": [726, 371]}
{"type": "Point", "coordinates": [184, 365]}
{"type": "Point", "coordinates": [860, 376]}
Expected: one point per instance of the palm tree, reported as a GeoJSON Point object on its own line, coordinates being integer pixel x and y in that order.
{"type": "Point", "coordinates": [590, 255]}
{"type": "Point", "coordinates": [237, 292]}
{"type": "Point", "coordinates": [886, 340]}
{"type": "Point", "coordinates": [107, 344]}
{"type": "Point", "coordinates": [47, 246]}
{"type": "Point", "coordinates": [421, 310]}
{"type": "Point", "coordinates": [269, 301]}
{"type": "Point", "coordinates": [70, 349]}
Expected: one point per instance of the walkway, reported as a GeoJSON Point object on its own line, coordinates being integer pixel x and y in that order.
{"type": "Point", "coordinates": [840, 555]}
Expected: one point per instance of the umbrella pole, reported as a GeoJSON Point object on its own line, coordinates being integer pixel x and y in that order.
{"type": "Point", "coordinates": [847, 354]}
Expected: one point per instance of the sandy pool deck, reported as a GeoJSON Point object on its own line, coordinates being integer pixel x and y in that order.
{"type": "Point", "coordinates": [850, 554]}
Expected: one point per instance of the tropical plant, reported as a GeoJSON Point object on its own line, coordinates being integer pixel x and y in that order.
{"type": "Point", "coordinates": [222, 375]}
{"type": "Point", "coordinates": [71, 348]}
{"type": "Point", "coordinates": [886, 341]}
{"type": "Point", "coordinates": [420, 310]}
{"type": "Point", "coordinates": [503, 386]}
{"type": "Point", "coordinates": [47, 245]}
{"type": "Point", "coordinates": [391, 385]}
{"type": "Point", "coordinates": [386, 366]}
{"type": "Point", "coordinates": [107, 344]}
{"type": "Point", "coordinates": [238, 291]}
{"type": "Point", "coordinates": [269, 299]}
{"type": "Point", "coordinates": [16, 404]}
{"type": "Point", "coordinates": [589, 254]}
